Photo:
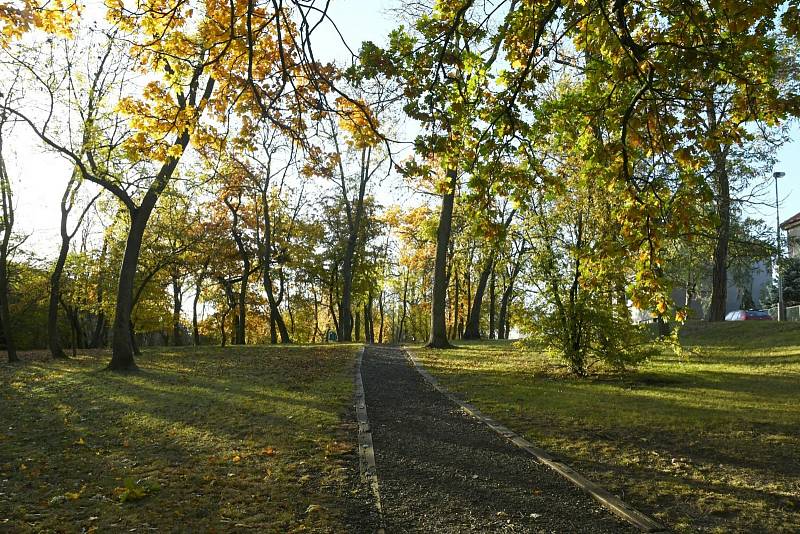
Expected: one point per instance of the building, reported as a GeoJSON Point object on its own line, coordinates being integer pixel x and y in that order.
{"type": "Point", "coordinates": [747, 293]}
{"type": "Point", "coordinates": [792, 228]}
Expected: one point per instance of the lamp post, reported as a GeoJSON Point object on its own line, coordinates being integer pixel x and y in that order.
{"type": "Point", "coordinates": [781, 311]}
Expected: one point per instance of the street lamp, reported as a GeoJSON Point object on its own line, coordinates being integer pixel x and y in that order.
{"type": "Point", "coordinates": [781, 311]}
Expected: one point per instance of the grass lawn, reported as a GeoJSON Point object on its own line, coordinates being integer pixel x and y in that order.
{"type": "Point", "coordinates": [709, 442]}
{"type": "Point", "coordinates": [201, 440]}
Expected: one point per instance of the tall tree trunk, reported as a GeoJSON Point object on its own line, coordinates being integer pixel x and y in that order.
{"type": "Point", "coordinates": [99, 337]}
{"type": "Point", "coordinates": [368, 320]}
{"type": "Point", "coordinates": [719, 275]}
{"type": "Point", "coordinates": [402, 332]}
{"type": "Point", "coordinates": [276, 320]}
{"type": "Point", "coordinates": [7, 225]}
{"type": "Point", "coordinates": [316, 313]}
{"type": "Point", "coordinates": [331, 303]}
{"type": "Point", "coordinates": [75, 325]}
{"type": "Point", "coordinates": [289, 307]}
{"type": "Point", "coordinates": [134, 344]}
{"type": "Point", "coordinates": [473, 327]}
{"type": "Point", "coordinates": [53, 334]}
{"type": "Point", "coordinates": [438, 337]}
{"type": "Point", "coordinates": [503, 326]}
{"type": "Point", "coordinates": [122, 343]}
{"type": "Point", "coordinates": [456, 306]}
{"type": "Point", "coordinates": [5, 314]}
{"type": "Point", "coordinates": [354, 229]}
{"type": "Point", "coordinates": [468, 283]}
{"type": "Point", "coordinates": [381, 311]}
{"type": "Point", "coordinates": [195, 328]}
{"type": "Point", "coordinates": [240, 315]}
{"type": "Point", "coordinates": [357, 322]}
{"type": "Point", "coordinates": [241, 327]}
{"type": "Point", "coordinates": [503, 316]}
{"type": "Point", "coordinates": [177, 302]}
{"type": "Point", "coordinates": [198, 288]}
{"type": "Point", "coordinates": [492, 305]}
{"type": "Point", "coordinates": [67, 203]}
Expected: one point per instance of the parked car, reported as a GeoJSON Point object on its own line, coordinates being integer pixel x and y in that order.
{"type": "Point", "coordinates": [748, 315]}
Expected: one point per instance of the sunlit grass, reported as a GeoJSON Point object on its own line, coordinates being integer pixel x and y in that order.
{"type": "Point", "coordinates": [221, 440]}
{"type": "Point", "coordinates": [709, 440]}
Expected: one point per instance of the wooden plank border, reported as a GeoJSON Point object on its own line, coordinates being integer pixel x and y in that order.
{"type": "Point", "coordinates": [366, 450]}
{"type": "Point", "coordinates": [613, 503]}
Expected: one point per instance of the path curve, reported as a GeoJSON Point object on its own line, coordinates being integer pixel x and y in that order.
{"type": "Point", "coordinates": [442, 471]}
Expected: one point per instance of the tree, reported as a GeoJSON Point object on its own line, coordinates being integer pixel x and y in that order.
{"type": "Point", "coordinates": [6, 229]}
{"type": "Point", "coordinates": [68, 201]}
{"type": "Point", "coordinates": [790, 273]}
{"type": "Point", "coordinates": [496, 234]}
{"type": "Point", "coordinates": [357, 120]}
{"type": "Point", "coordinates": [189, 76]}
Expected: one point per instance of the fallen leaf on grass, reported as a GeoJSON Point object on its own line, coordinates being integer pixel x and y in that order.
{"type": "Point", "coordinates": [313, 508]}
{"type": "Point", "coordinates": [136, 490]}
{"type": "Point", "coordinates": [269, 451]}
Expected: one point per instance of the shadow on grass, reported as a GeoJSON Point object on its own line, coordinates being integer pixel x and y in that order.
{"type": "Point", "coordinates": [241, 436]}
{"type": "Point", "coordinates": [706, 443]}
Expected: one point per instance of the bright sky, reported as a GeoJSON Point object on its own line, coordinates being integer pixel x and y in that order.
{"type": "Point", "coordinates": [40, 178]}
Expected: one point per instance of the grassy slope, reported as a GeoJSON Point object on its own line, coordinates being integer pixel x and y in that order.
{"type": "Point", "coordinates": [236, 438]}
{"type": "Point", "coordinates": [711, 442]}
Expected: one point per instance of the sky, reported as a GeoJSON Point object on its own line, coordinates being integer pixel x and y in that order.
{"type": "Point", "coordinates": [39, 178]}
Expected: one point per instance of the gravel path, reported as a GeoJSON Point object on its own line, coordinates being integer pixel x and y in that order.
{"type": "Point", "coordinates": [442, 471]}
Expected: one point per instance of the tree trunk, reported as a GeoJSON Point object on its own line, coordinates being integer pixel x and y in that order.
{"type": "Point", "coordinates": [354, 228]}
{"type": "Point", "coordinates": [99, 338]}
{"type": "Point", "coordinates": [473, 328]}
{"type": "Point", "coordinates": [438, 337]}
{"type": "Point", "coordinates": [276, 320]}
{"type": "Point", "coordinates": [241, 326]}
{"type": "Point", "coordinates": [369, 323]}
{"type": "Point", "coordinates": [222, 334]}
{"type": "Point", "coordinates": [332, 307]}
{"type": "Point", "coordinates": [7, 225]}
{"type": "Point", "coordinates": [456, 306]}
{"type": "Point", "coordinates": [492, 304]}
{"type": "Point", "coordinates": [401, 332]}
{"type": "Point", "coordinates": [122, 343]}
{"type": "Point", "coordinates": [289, 307]}
{"type": "Point", "coordinates": [75, 325]}
{"type": "Point", "coordinates": [132, 333]}
{"type": "Point", "coordinates": [5, 315]}
{"type": "Point", "coordinates": [502, 318]}
{"type": "Point", "coordinates": [198, 287]}
{"type": "Point", "coordinates": [357, 327]}
{"type": "Point", "coordinates": [53, 334]}
{"type": "Point", "coordinates": [719, 276]}
{"type": "Point", "coordinates": [177, 339]}
{"type": "Point", "coordinates": [381, 311]}
{"type": "Point", "coordinates": [316, 314]}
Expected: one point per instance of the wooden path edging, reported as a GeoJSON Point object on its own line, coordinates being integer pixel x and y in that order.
{"type": "Point", "coordinates": [366, 451]}
{"type": "Point", "coordinates": [601, 495]}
